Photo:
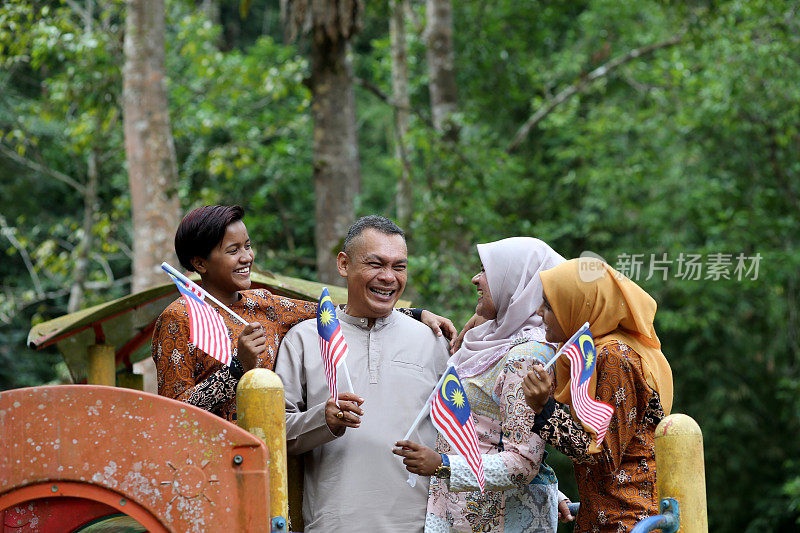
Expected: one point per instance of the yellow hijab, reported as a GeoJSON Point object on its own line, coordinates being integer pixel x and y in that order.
{"type": "Point", "coordinates": [589, 290]}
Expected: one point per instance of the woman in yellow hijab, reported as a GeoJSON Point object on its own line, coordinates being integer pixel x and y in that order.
{"type": "Point", "coordinates": [616, 477]}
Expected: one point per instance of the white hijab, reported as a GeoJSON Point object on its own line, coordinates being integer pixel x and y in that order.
{"type": "Point", "coordinates": [512, 270]}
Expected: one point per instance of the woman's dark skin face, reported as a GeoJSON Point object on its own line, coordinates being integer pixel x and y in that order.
{"type": "Point", "coordinates": [553, 331]}
{"type": "Point", "coordinates": [226, 270]}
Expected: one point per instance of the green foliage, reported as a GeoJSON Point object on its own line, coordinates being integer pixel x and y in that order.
{"type": "Point", "coordinates": [243, 135]}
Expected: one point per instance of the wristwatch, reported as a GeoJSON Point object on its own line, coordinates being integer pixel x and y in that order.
{"type": "Point", "coordinates": [443, 470]}
{"type": "Point", "coordinates": [236, 369]}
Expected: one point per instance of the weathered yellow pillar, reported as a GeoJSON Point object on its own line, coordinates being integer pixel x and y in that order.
{"type": "Point", "coordinates": [260, 410]}
{"type": "Point", "coordinates": [680, 470]}
{"type": "Point", "coordinates": [102, 368]}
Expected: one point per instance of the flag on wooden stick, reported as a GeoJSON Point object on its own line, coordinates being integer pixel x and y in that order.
{"type": "Point", "coordinates": [583, 356]}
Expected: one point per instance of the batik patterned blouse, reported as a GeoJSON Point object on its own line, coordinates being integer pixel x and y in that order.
{"type": "Point", "coordinates": [521, 490]}
{"type": "Point", "coordinates": [617, 486]}
{"type": "Point", "coordinates": [188, 374]}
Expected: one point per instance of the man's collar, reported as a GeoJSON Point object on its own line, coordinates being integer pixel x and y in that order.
{"type": "Point", "coordinates": [363, 322]}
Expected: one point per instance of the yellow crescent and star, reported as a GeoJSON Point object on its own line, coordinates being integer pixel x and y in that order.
{"type": "Point", "coordinates": [588, 354]}
{"type": "Point", "coordinates": [325, 315]}
{"type": "Point", "coordinates": [457, 396]}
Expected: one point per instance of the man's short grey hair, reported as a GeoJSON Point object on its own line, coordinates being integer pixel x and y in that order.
{"type": "Point", "coordinates": [376, 222]}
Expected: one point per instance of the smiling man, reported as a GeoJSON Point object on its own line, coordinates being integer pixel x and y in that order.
{"type": "Point", "coordinates": [352, 481]}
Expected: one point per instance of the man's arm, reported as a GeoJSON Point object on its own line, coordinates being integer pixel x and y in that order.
{"type": "Point", "coordinates": [306, 427]}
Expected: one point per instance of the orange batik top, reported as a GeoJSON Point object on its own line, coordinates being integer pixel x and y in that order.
{"type": "Point", "coordinates": [617, 486]}
{"type": "Point", "coordinates": [188, 374]}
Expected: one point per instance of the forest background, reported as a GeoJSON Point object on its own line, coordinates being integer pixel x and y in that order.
{"type": "Point", "coordinates": [662, 135]}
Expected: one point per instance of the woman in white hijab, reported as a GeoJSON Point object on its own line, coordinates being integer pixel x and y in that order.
{"type": "Point", "coordinates": [521, 490]}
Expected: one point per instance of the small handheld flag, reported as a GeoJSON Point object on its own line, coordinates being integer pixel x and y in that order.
{"type": "Point", "coordinates": [332, 345]}
{"type": "Point", "coordinates": [583, 356]}
{"type": "Point", "coordinates": [207, 330]}
{"type": "Point", "coordinates": [581, 330]}
{"type": "Point", "coordinates": [451, 415]}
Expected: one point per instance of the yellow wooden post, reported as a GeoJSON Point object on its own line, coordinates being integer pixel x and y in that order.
{"type": "Point", "coordinates": [102, 366]}
{"type": "Point", "coordinates": [260, 410]}
{"type": "Point", "coordinates": [680, 470]}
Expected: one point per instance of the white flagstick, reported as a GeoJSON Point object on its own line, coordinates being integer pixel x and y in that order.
{"type": "Point", "coordinates": [347, 375]}
{"type": "Point", "coordinates": [566, 344]}
{"type": "Point", "coordinates": [168, 268]}
{"type": "Point", "coordinates": [412, 478]}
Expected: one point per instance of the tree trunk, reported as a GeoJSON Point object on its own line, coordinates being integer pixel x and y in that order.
{"type": "Point", "coordinates": [404, 199]}
{"type": "Point", "coordinates": [337, 176]}
{"type": "Point", "coordinates": [441, 70]}
{"type": "Point", "coordinates": [149, 147]}
{"type": "Point", "coordinates": [85, 246]}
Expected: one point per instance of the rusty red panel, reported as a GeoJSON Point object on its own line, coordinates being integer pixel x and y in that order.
{"type": "Point", "coordinates": [53, 514]}
{"type": "Point", "coordinates": [158, 460]}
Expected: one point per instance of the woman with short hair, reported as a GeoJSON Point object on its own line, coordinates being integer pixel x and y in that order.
{"type": "Point", "coordinates": [213, 241]}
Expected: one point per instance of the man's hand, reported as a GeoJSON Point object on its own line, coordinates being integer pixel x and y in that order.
{"type": "Point", "coordinates": [418, 459]}
{"type": "Point", "coordinates": [471, 323]}
{"type": "Point", "coordinates": [537, 386]}
{"type": "Point", "coordinates": [252, 343]}
{"type": "Point", "coordinates": [346, 415]}
{"type": "Point", "coordinates": [440, 325]}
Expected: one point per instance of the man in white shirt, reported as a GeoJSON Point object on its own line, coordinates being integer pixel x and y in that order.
{"type": "Point", "coordinates": [352, 481]}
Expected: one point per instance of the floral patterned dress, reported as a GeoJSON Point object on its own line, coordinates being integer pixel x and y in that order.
{"type": "Point", "coordinates": [188, 374]}
{"type": "Point", "coordinates": [617, 486]}
{"type": "Point", "coordinates": [521, 490]}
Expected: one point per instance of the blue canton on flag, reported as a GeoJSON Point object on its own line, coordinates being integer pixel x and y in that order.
{"type": "Point", "coordinates": [451, 415]}
{"type": "Point", "coordinates": [583, 357]}
{"type": "Point", "coordinates": [332, 345]}
{"type": "Point", "coordinates": [207, 330]}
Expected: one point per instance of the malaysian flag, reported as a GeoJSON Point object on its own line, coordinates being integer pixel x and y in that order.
{"type": "Point", "coordinates": [207, 330]}
{"type": "Point", "coordinates": [583, 356]}
{"type": "Point", "coordinates": [332, 345]}
{"type": "Point", "coordinates": [451, 415]}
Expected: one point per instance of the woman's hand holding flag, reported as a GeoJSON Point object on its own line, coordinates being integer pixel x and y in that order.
{"type": "Point", "coordinates": [536, 387]}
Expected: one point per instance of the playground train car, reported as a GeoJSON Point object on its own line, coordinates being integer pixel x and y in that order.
{"type": "Point", "coordinates": [97, 458]}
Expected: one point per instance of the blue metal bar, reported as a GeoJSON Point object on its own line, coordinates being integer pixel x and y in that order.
{"type": "Point", "coordinates": [668, 522]}
{"type": "Point", "coordinates": [651, 523]}
{"type": "Point", "coordinates": [278, 525]}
